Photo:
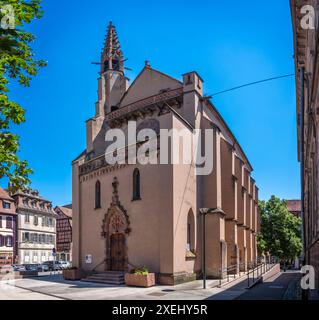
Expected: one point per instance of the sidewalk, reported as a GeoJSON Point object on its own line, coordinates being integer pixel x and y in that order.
{"type": "Point", "coordinates": [55, 287]}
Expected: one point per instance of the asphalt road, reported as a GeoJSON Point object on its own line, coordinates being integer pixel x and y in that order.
{"type": "Point", "coordinates": [273, 289]}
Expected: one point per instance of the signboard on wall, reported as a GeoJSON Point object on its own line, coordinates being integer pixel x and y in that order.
{"type": "Point", "coordinates": [88, 259]}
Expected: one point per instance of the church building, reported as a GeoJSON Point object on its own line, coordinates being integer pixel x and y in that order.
{"type": "Point", "coordinates": [132, 215]}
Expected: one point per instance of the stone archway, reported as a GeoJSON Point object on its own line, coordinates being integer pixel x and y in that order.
{"type": "Point", "coordinates": [115, 229]}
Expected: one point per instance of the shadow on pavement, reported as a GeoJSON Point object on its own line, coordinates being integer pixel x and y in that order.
{"type": "Point", "coordinates": [272, 289]}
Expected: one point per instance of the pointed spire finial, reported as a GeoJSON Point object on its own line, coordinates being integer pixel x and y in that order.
{"type": "Point", "coordinates": [112, 56]}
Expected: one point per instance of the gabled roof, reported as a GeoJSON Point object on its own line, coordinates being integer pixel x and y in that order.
{"type": "Point", "coordinates": [67, 211]}
{"type": "Point", "coordinates": [294, 205]}
{"type": "Point", "coordinates": [148, 83]}
{"type": "Point", "coordinates": [4, 195]}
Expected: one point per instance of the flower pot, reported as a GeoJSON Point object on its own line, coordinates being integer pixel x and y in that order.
{"type": "Point", "coordinates": [139, 280]}
{"type": "Point", "coordinates": [73, 274]}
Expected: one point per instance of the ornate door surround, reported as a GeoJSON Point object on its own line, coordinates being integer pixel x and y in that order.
{"type": "Point", "coordinates": [116, 221]}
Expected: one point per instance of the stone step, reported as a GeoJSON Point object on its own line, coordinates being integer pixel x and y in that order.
{"type": "Point", "coordinates": [108, 277]}
{"type": "Point", "coordinates": [108, 274]}
{"type": "Point", "coordinates": [105, 281]}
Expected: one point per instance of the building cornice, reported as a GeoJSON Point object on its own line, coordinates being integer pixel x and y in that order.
{"type": "Point", "coordinates": [27, 210]}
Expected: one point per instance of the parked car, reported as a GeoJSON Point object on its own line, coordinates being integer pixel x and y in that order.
{"type": "Point", "coordinates": [31, 267]}
{"type": "Point", "coordinates": [53, 266]}
{"type": "Point", "coordinates": [65, 264]}
{"type": "Point", "coordinates": [18, 267]}
{"type": "Point", "coordinates": [43, 267]}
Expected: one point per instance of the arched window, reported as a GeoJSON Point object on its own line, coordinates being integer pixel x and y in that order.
{"type": "Point", "coordinates": [136, 185]}
{"type": "Point", "coordinates": [97, 195]}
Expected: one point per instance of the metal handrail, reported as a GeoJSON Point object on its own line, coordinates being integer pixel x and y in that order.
{"type": "Point", "coordinates": [132, 265]}
{"type": "Point", "coordinates": [255, 268]}
{"type": "Point", "coordinates": [259, 269]}
{"type": "Point", "coordinates": [227, 270]}
{"type": "Point", "coordinates": [98, 265]}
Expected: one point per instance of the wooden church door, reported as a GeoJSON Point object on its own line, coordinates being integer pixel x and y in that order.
{"type": "Point", "coordinates": [117, 241]}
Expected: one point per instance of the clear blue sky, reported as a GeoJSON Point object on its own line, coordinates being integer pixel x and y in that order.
{"type": "Point", "coordinates": [228, 43]}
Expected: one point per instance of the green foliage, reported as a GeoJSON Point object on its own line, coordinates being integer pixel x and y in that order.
{"type": "Point", "coordinates": [140, 271]}
{"type": "Point", "coordinates": [280, 233]}
{"type": "Point", "coordinates": [16, 62]}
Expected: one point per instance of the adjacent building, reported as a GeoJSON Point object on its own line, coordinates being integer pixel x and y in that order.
{"type": "Point", "coordinates": [305, 20]}
{"type": "Point", "coordinates": [8, 227]}
{"type": "Point", "coordinates": [294, 207]}
{"type": "Point", "coordinates": [64, 232]}
{"type": "Point", "coordinates": [36, 230]}
{"type": "Point", "coordinates": [127, 215]}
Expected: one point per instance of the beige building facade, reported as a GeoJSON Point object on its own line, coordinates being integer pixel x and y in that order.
{"type": "Point", "coordinates": [8, 219]}
{"type": "Point", "coordinates": [36, 232]}
{"type": "Point", "coordinates": [132, 215]}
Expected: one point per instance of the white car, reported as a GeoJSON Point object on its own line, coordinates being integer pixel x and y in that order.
{"type": "Point", "coordinates": [65, 264]}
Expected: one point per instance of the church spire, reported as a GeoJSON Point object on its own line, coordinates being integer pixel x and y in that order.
{"type": "Point", "coordinates": [112, 56]}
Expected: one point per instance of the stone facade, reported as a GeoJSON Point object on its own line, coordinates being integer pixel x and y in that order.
{"type": "Point", "coordinates": [294, 207]}
{"type": "Point", "coordinates": [36, 227]}
{"type": "Point", "coordinates": [128, 215]}
{"type": "Point", "coordinates": [306, 43]}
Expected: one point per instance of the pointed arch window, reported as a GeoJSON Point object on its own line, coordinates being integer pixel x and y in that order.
{"type": "Point", "coordinates": [97, 194]}
{"type": "Point", "coordinates": [136, 185]}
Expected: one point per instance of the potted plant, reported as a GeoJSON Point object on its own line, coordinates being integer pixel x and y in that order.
{"type": "Point", "coordinates": [73, 273]}
{"type": "Point", "coordinates": [140, 277]}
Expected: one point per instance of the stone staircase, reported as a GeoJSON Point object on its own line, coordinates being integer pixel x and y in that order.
{"type": "Point", "coordinates": [108, 277]}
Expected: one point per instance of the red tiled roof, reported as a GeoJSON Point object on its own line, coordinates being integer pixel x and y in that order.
{"type": "Point", "coordinates": [294, 205]}
{"type": "Point", "coordinates": [66, 211]}
{"type": "Point", "coordinates": [4, 194]}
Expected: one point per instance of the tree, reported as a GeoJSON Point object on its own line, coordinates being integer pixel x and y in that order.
{"type": "Point", "coordinates": [280, 233]}
{"type": "Point", "coordinates": [16, 62]}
